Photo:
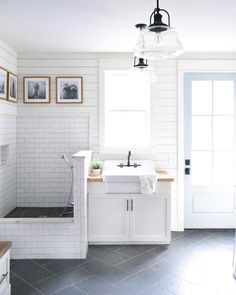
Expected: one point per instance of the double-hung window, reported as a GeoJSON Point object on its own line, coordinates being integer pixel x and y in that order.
{"type": "Point", "coordinates": [125, 111]}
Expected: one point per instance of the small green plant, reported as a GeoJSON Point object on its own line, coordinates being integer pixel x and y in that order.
{"type": "Point", "coordinates": [96, 165]}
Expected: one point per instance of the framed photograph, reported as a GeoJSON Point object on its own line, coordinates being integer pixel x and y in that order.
{"type": "Point", "coordinates": [37, 89]}
{"type": "Point", "coordinates": [3, 83]}
{"type": "Point", "coordinates": [12, 87]}
{"type": "Point", "coordinates": [69, 89]}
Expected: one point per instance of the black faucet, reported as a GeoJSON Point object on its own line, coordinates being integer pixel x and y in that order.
{"type": "Point", "coordinates": [135, 165]}
{"type": "Point", "coordinates": [128, 162]}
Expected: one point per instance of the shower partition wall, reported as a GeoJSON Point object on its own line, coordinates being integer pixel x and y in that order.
{"type": "Point", "coordinates": [42, 180]}
{"type": "Point", "coordinates": [53, 238]}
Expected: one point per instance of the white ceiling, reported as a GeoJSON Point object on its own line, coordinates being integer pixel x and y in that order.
{"type": "Point", "coordinates": [108, 25]}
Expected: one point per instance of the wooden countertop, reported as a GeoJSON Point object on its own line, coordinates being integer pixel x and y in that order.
{"type": "Point", "coordinates": [162, 176]}
{"type": "Point", "coordinates": [4, 246]}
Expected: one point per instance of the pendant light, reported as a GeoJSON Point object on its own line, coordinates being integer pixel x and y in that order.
{"type": "Point", "coordinates": [158, 40]}
{"type": "Point", "coordinates": [141, 64]}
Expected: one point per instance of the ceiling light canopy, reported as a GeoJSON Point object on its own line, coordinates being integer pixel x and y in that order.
{"type": "Point", "coordinates": [158, 40]}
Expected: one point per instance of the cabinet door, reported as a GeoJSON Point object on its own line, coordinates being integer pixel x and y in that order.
{"type": "Point", "coordinates": [5, 274]}
{"type": "Point", "coordinates": [149, 219]}
{"type": "Point", "coordinates": [108, 218]}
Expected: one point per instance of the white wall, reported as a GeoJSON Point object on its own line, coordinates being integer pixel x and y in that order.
{"type": "Point", "coordinates": [43, 179]}
{"type": "Point", "coordinates": [164, 102]}
{"type": "Point", "coordinates": [8, 111]}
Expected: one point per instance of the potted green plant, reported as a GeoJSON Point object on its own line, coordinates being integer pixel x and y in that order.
{"type": "Point", "coordinates": [96, 167]}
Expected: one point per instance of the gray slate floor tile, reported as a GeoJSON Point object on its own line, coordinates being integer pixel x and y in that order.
{"type": "Point", "coordinates": [196, 262]}
{"type": "Point", "coordinates": [62, 280]}
{"type": "Point", "coordinates": [141, 281]}
{"type": "Point", "coordinates": [59, 265]}
{"type": "Point", "coordinates": [42, 261]}
{"type": "Point", "coordinates": [107, 255]}
{"type": "Point", "coordinates": [181, 271]}
{"type": "Point", "coordinates": [114, 247]}
{"type": "Point", "coordinates": [19, 287]}
{"type": "Point", "coordinates": [97, 286]}
{"type": "Point", "coordinates": [105, 271]}
{"type": "Point", "coordinates": [134, 250]}
{"type": "Point", "coordinates": [178, 286]}
{"type": "Point", "coordinates": [71, 290]}
{"type": "Point", "coordinates": [157, 291]}
{"type": "Point", "coordinates": [139, 263]}
{"type": "Point", "coordinates": [29, 271]}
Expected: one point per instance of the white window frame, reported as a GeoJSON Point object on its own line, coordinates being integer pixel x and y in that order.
{"type": "Point", "coordinates": [113, 65]}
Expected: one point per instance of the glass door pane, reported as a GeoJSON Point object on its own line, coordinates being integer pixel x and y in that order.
{"type": "Point", "coordinates": [223, 97]}
{"type": "Point", "coordinates": [201, 132]}
{"type": "Point", "coordinates": [201, 97]}
{"type": "Point", "coordinates": [223, 133]}
{"type": "Point", "coordinates": [213, 132]}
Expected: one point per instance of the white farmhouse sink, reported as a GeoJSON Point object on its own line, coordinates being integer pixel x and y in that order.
{"type": "Point", "coordinates": [125, 179]}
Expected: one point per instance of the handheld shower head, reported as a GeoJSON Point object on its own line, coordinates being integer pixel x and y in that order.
{"type": "Point", "coordinates": [64, 157]}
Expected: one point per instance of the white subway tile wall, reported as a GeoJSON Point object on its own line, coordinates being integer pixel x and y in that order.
{"type": "Point", "coordinates": [53, 237]}
{"type": "Point", "coordinates": [8, 169]}
{"type": "Point", "coordinates": [8, 112]}
{"type": "Point", "coordinates": [43, 179]}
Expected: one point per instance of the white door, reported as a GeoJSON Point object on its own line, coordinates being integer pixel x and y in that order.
{"type": "Point", "coordinates": [209, 150]}
{"type": "Point", "coordinates": [108, 217]}
{"type": "Point", "coordinates": [148, 218]}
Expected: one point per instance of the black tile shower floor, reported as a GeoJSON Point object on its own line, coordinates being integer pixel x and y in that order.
{"type": "Point", "coordinates": [198, 262]}
{"type": "Point", "coordinates": [34, 212]}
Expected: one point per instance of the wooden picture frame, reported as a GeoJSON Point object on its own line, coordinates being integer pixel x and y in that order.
{"type": "Point", "coordinates": [12, 87]}
{"type": "Point", "coordinates": [37, 89]}
{"type": "Point", "coordinates": [69, 90]}
{"type": "Point", "coordinates": [3, 83]}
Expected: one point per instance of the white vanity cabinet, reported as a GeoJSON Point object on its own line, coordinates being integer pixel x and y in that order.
{"type": "Point", "coordinates": [150, 218]}
{"type": "Point", "coordinates": [5, 287]}
{"type": "Point", "coordinates": [128, 218]}
{"type": "Point", "coordinates": [108, 218]}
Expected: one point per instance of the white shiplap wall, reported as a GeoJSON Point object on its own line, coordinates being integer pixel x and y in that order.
{"type": "Point", "coordinates": [164, 126]}
{"type": "Point", "coordinates": [164, 102]}
{"type": "Point", "coordinates": [8, 111]}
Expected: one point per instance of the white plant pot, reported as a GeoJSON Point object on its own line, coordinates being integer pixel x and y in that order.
{"type": "Point", "coordinates": [96, 171]}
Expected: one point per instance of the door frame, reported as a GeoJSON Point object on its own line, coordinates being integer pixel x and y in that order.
{"type": "Point", "coordinates": [185, 66]}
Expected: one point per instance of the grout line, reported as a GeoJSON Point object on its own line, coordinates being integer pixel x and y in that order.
{"type": "Point", "coordinates": [72, 285]}
{"type": "Point", "coordinates": [61, 272]}
{"type": "Point", "coordinates": [35, 260]}
{"type": "Point", "coordinates": [81, 290]}
{"type": "Point", "coordinates": [42, 266]}
{"type": "Point", "coordinates": [133, 257]}
{"type": "Point", "coordinates": [28, 283]}
{"type": "Point", "coordinates": [126, 260]}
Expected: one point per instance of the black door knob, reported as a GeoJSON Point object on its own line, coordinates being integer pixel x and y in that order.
{"type": "Point", "coordinates": [187, 171]}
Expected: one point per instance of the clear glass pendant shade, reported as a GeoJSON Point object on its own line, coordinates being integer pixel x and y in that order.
{"type": "Point", "coordinates": [158, 42]}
